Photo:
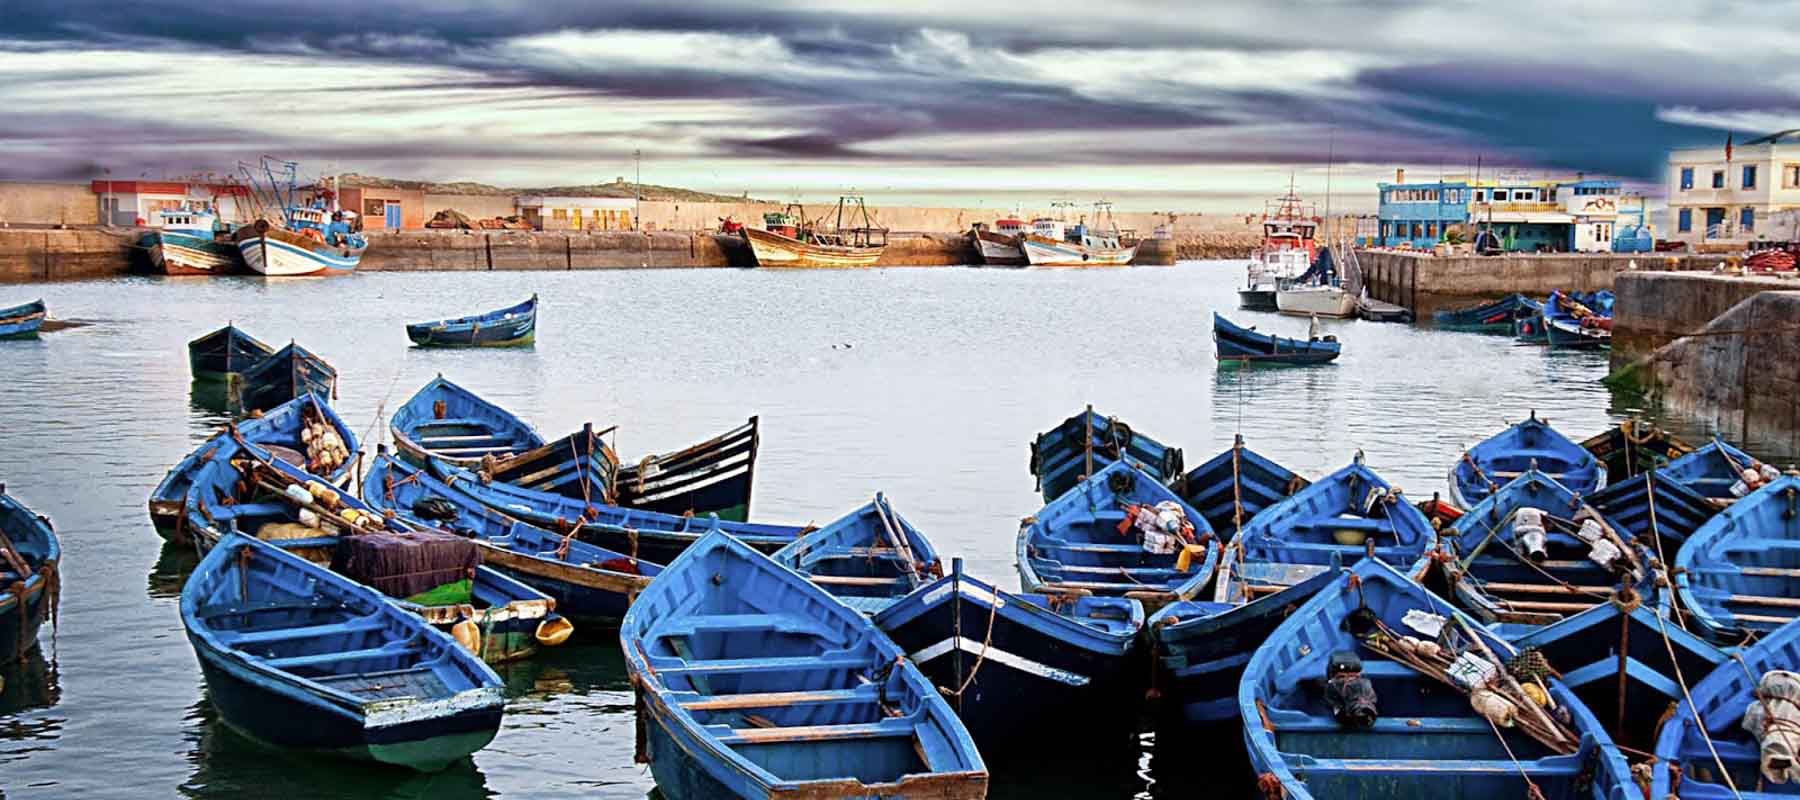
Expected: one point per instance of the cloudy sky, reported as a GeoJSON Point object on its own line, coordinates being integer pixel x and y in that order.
{"type": "Point", "coordinates": [1157, 105]}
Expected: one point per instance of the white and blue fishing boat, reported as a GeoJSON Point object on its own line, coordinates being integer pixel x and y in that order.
{"type": "Point", "coordinates": [296, 656]}
{"type": "Point", "coordinates": [187, 242]}
{"type": "Point", "coordinates": [1120, 533]}
{"type": "Point", "coordinates": [1231, 488]}
{"type": "Point", "coordinates": [225, 354]}
{"type": "Point", "coordinates": [1530, 444]}
{"type": "Point", "coordinates": [869, 558]}
{"type": "Point", "coordinates": [1736, 576]}
{"type": "Point", "coordinates": [310, 237]}
{"type": "Point", "coordinates": [1052, 243]}
{"type": "Point", "coordinates": [22, 321]}
{"type": "Point", "coordinates": [1011, 663]}
{"type": "Point", "coordinates": [1281, 556]}
{"type": "Point", "coordinates": [292, 371]}
{"type": "Point", "coordinates": [650, 535]}
{"type": "Point", "coordinates": [1533, 553]}
{"type": "Point", "coordinates": [587, 582]}
{"type": "Point", "coordinates": [30, 576]}
{"type": "Point", "coordinates": [1731, 737]}
{"type": "Point", "coordinates": [1369, 691]}
{"type": "Point", "coordinates": [1062, 456]}
{"type": "Point", "coordinates": [1716, 471]}
{"type": "Point", "coordinates": [1235, 344]}
{"type": "Point", "coordinates": [439, 576]}
{"type": "Point", "coordinates": [1495, 317]}
{"type": "Point", "coordinates": [305, 431]}
{"type": "Point", "coordinates": [753, 682]}
{"type": "Point", "coordinates": [446, 421]}
{"type": "Point", "coordinates": [514, 326]}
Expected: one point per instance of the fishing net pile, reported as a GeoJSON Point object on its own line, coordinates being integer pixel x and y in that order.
{"type": "Point", "coordinates": [325, 449]}
{"type": "Point", "coordinates": [406, 564]}
{"type": "Point", "coordinates": [1774, 719]}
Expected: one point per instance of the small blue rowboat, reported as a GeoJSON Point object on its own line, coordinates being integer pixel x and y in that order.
{"type": "Point", "coordinates": [22, 322]}
{"type": "Point", "coordinates": [1280, 558]}
{"type": "Point", "coordinates": [1530, 444]}
{"type": "Point", "coordinates": [1704, 752]}
{"type": "Point", "coordinates": [1713, 471]}
{"type": "Point", "coordinates": [1062, 456]}
{"type": "Point", "coordinates": [296, 656]}
{"type": "Point", "coordinates": [1332, 712]}
{"type": "Point", "coordinates": [1495, 317]}
{"type": "Point", "coordinates": [579, 466]}
{"type": "Point", "coordinates": [292, 431]}
{"type": "Point", "coordinates": [1112, 535]}
{"type": "Point", "coordinates": [1011, 663]}
{"type": "Point", "coordinates": [752, 682]}
{"type": "Point", "coordinates": [713, 477]}
{"type": "Point", "coordinates": [587, 582]}
{"type": "Point", "coordinates": [1625, 644]}
{"type": "Point", "coordinates": [515, 326]}
{"type": "Point", "coordinates": [1653, 504]}
{"type": "Point", "coordinates": [1736, 575]}
{"type": "Point", "coordinates": [868, 558]}
{"type": "Point", "coordinates": [225, 354]}
{"type": "Point", "coordinates": [244, 490]}
{"type": "Point", "coordinates": [1564, 329]}
{"type": "Point", "coordinates": [446, 421]}
{"type": "Point", "coordinates": [30, 576]}
{"type": "Point", "coordinates": [1530, 555]}
{"type": "Point", "coordinates": [650, 535]}
{"type": "Point", "coordinates": [1231, 488]}
{"type": "Point", "coordinates": [1235, 344]}
{"type": "Point", "coordinates": [292, 371]}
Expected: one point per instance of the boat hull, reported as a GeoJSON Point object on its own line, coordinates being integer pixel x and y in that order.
{"type": "Point", "coordinates": [1235, 343]}
{"type": "Point", "coordinates": [508, 327]}
{"type": "Point", "coordinates": [1566, 333]}
{"type": "Point", "coordinates": [22, 322]}
{"type": "Point", "coordinates": [181, 254]}
{"type": "Point", "coordinates": [26, 602]}
{"type": "Point", "coordinates": [713, 477]}
{"type": "Point", "coordinates": [1495, 317]}
{"type": "Point", "coordinates": [1257, 300]}
{"type": "Point", "coordinates": [1045, 252]}
{"type": "Point", "coordinates": [1201, 648]}
{"type": "Point", "coordinates": [775, 250]}
{"type": "Point", "coordinates": [998, 250]}
{"type": "Point", "coordinates": [1059, 456]}
{"type": "Point", "coordinates": [276, 252]}
{"type": "Point", "coordinates": [1328, 301]}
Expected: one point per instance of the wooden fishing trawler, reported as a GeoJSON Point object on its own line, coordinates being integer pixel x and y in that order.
{"type": "Point", "coordinates": [189, 242]}
{"type": "Point", "coordinates": [789, 239]}
{"type": "Point", "coordinates": [1001, 246]}
{"type": "Point", "coordinates": [1052, 243]}
{"type": "Point", "coordinates": [1287, 250]}
{"type": "Point", "coordinates": [298, 238]}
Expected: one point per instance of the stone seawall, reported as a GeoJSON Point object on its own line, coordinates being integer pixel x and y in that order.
{"type": "Point", "coordinates": [1653, 309]}
{"type": "Point", "coordinates": [1427, 283]}
{"type": "Point", "coordinates": [60, 255]}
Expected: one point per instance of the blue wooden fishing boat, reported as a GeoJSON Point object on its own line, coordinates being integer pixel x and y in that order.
{"type": "Point", "coordinates": [446, 421]}
{"type": "Point", "coordinates": [1634, 447]}
{"type": "Point", "coordinates": [1231, 488]}
{"type": "Point", "coordinates": [22, 321]}
{"type": "Point", "coordinates": [1533, 553]}
{"type": "Point", "coordinates": [1737, 575]}
{"type": "Point", "coordinates": [1062, 456]}
{"type": "Point", "coordinates": [1118, 533]}
{"type": "Point", "coordinates": [1281, 557]}
{"type": "Point", "coordinates": [225, 354]}
{"type": "Point", "coordinates": [1574, 326]}
{"type": "Point", "coordinates": [1355, 696]}
{"type": "Point", "coordinates": [869, 558]}
{"type": "Point", "coordinates": [1531, 328]}
{"type": "Point", "coordinates": [587, 582]}
{"type": "Point", "coordinates": [245, 490]}
{"type": "Point", "coordinates": [1235, 344]}
{"type": "Point", "coordinates": [1654, 505]}
{"type": "Point", "coordinates": [1012, 664]}
{"type": "Point", "coordinates": [296, 656]}
{"type": "Point", "coordinates": [514, 326]}
{"type": "Point", "coordinates": [752, 682]}
{"type": "Point", "coordinates": [579, 466]}
{"type": "Point", "coordinates": [1530, 444]}
{"type": "Point", "coordinates": [1706, 751]}
{"type": "Point", "coordinates": [30, 576]}
{"type": "Point", "coordinates": [290, 372]}
{"type": "Point", "coordinates": [1627, 661]}
{"type": "Point", "coordinates": [1714, 471]}
{"type": "Point", "coordinates": [1495, 317]}
{"type": "Point", "coordinates": [305, 431]}
{"type": "Point", "coordinates": [650, 535]}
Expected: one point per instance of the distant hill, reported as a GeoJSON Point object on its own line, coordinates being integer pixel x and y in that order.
{"type": "Point", "coordinates": [618, 188]}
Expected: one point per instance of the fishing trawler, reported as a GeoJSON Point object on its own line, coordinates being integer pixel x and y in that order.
{"type": "Point", "coordinates": [789, 239]}
{"type": "Point", "coordinates": [1286, 252]}
{"type": "Point", "coordinates": [311, 238]}
{"type": "Point", "coordinates": [1000, 247]}
{"type": "Point", "coordinates": [187, 242]}
{"type": "Point", "coordinates": [1054, 243]}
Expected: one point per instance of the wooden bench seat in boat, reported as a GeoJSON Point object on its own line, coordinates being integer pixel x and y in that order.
{"type": "Point", "coordinates": [1325, 547]}
{"type": "Point", "coordinates": [853, 580]}
{"type": "Point", "coordinates": [322, 659]}
{"type": "Point", "coordinates": [453, 422]}
{"type": "Point", "coordinates": [1347, 523]}
{"type": "Point", "coordinates": [867, 693]}
{"type": "Point", "coordinates": [898, 727]}
{"type": "Point", "coordinates": [701, 669]}
{"type": "Point", "coordinates": [1294, 722]}
{"type": "Point", "coordinates": [358, 625]}
{"type": "Point", "coordinates": [1302, 764]}
{"type": "Point", "coordinates": [1054, 544]}
{"type": "Point", "coordinates": [471, 451]}
{"type": "Point", "coordinates": [719, 623]}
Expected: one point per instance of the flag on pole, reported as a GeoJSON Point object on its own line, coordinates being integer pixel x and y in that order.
{"type": "Point", "coordinates": [1728, 148]}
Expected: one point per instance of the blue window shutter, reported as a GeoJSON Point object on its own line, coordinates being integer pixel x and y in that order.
{"type": "Point", "coordinates": [1685, 221]}
{"type": "Point", "coordinates": [1749, 177]}
{"type": "Point", "coordinates": [1747, 219]}
{"type": "Point", "coordinates": [1687, 177]}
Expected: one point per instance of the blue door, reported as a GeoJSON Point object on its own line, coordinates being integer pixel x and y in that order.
{"type": "Point", "coordinates": [1715, 217]}
{"type": "Point", "coordinates": [393, 216]}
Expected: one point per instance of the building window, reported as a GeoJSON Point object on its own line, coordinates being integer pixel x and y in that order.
{"type": "Point", "coordinates": [1480, 196]}
{"type": "Point", "coordinates": [1684, 220]}
{"type": "Point", "coordinates": [374, 208]}
{"type": "Point", "coordinates": [559, 213]}
{"type": "Point", "coordinates": [1718, 179]}
{"type": "Point", "coordinates": [1790, 176]}
{"type": "Point", "coordinates": [1747, 220]}
{"type": "Point", "coordinates": [1431, 229]}
{"type": "Point", "coordinates": [1500, 195]}
{"type": "Point", "coordinates": [1687, 178]}
{"type": "Point", "coordinates": [1750, 176]}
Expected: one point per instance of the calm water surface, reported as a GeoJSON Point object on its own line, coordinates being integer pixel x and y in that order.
{"type": "Point", "coordinates": [923, 383]}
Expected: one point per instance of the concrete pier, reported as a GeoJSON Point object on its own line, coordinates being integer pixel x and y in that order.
{"type": "Point", "coordinates": [1428, 283]}
{"type": "Point", "coordinates": [58, 255]}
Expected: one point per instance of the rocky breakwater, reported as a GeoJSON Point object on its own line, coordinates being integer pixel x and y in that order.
{"type": "Point", "coordinates": [1204, 245]}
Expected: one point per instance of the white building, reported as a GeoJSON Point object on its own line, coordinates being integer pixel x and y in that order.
{"type": "Point", "coordinates": [1713, 199]}
{"type": "Point", "coordinates": [578, 213]}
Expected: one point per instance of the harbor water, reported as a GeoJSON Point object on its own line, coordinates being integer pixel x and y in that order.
{"type": "Point", "coordinates": [926, 384]}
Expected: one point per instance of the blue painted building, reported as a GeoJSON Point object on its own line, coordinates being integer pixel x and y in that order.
{"type": "Point", "coordinates": [1579, 215]}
